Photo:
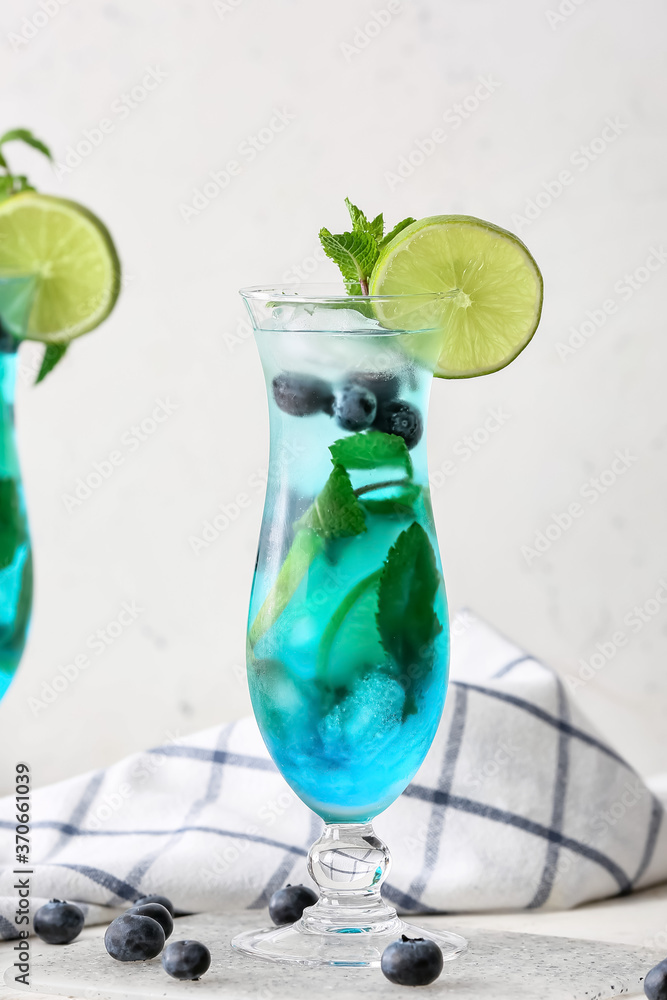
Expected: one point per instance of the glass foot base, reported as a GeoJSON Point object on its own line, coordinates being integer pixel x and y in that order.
{"type": "Point", "coordinates": [352, 947]}
{"type": "Point", "coordinates": [351, 924]}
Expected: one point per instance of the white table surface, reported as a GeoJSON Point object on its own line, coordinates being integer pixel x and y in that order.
{"type": "Point", "coordinates": [639, 920]}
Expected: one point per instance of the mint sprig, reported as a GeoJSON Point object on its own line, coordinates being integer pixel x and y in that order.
{"type": "Point", "coordinates": [356, 252]}
{"type": "Point", "coordinates": [14, 183]}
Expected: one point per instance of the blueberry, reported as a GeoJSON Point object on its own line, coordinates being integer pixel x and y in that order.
{"type": "Point", "coordinates": [399, 417]}
{"type": "Point", "coordinates": [412, 962]}
{"type": "Point", "coordinates": [58, 922]}
{"type": "Point", "coordinates": [287, 905]}
{"type": "Point", "coordinates": [355, 407]}
{"type": "Point", "coordinates": [383, 385]}
{"type": "Point", "coordinates": [158, 912]}
{"type": "Point", "coordinates": [134, 938]}
{"type": "Point", "coordinates": [186, 959]}
{"type": "Point", "coordinates": [655, 984]}
{"type": "Point", "coordinates": [301, 395]}
{"type": "Point", "coordinates": [162, 900]}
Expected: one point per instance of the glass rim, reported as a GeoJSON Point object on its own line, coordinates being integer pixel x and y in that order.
{"type": "Point", "coordinates": [328, 292]}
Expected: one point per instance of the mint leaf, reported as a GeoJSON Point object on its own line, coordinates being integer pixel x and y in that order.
{"type": "Point", "coordinates": [406, 618]}
{"type": "Point", "coordinates": [25, 135]}
{"type": "Point", "coordinates": [401, 503]}
{"type": "Point", "coordinates": [336, 512]}
{"type": "Point", "coordinates": [52, 355]}
{"type": "Point", "coordinates": [370, 449]}
{"type": "Point", "coordinates": [376, 227]}
{"type": "Point", "coordinates": [360, 223]}
{"type": "Point", "coordinates": [12, 527]}
{"type": "Point", "coordinates": [394, 232]}
{"type": "Point", "coordinates": [355, 254]}
{"type": "Point", "coordinates": [13, 183]}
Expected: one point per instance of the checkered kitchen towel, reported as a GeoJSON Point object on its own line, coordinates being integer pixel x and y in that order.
{"type": "Point", "coordinates": [518, 805]}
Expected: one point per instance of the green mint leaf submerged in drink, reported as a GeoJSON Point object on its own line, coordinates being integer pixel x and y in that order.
{"type": "Point", "coordinates": [12, 525]}
{"type": "Point", "coordinates": [336, 511]}
{"type": "Point", "coordinates": [406, 616]}
{"type": "Point", "coordinates": [400, 504]}
{"type": "Point", "coordinates": [371, 450]}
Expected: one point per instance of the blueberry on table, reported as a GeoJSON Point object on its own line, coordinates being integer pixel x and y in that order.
{"type": "Point", "coordinates": [186, 959]}
{"type": "Point", "coordinates": [355, 407]}
{"type": "Point", "coordinates": [302, 395]}
{"type": "Point", "coordinates": [412, 962]}
{"type": "Point", "coordinates": [287, 905]}
{"type": "Point", "coordinates": [58, 922]}
{"type": "Point", "coordinates": [158, 912]}
{"type": "Point", "coordinates": [655, 984]}
{"type": "Point", "coordinates": [401, 418]}
{"type": "Point", "coordinates": [383, 385]}
{"type": "Point", "coordinates": [134, 938]}
{"type": "Point", "coordinates": [162, 900]}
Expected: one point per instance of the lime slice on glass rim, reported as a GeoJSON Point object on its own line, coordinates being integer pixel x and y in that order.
{"type": "Point", "coordinates": [491, 291]}
{"type": "Point", "coordinates": [71, 257]}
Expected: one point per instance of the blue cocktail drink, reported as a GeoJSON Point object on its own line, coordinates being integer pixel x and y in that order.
{"type": "Point", "coordinates": [348, 638]}
{"type": "Point", "coordinates": [348, 635]}
{"type": "Point", "coordinates": [15, 550]}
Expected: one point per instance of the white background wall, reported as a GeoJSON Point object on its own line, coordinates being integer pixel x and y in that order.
{"type": "Point", "coordinates": [175, 335]}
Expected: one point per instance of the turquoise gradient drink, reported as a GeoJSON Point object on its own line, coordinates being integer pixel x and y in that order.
{"type": "Point", "coordinates": [15, 554]}
{"type": "Point", "coordinates": [348, 633]}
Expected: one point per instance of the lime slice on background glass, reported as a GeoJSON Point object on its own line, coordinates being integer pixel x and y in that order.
{"type": "Point", "coordinates": [66, 254]}
{"type": "Point", "coordinates": [493, 290]}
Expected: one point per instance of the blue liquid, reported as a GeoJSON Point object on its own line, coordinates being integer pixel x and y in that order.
{"type": "Point", "coordinates": [347, 726]}
{"type": "Point", "coordinates": [15, 553]}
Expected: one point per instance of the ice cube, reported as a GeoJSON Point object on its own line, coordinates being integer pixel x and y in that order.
{"type": "Point", "coordinates": [365, 721]}
{"type": "Point", "coordinates": [301, 317]}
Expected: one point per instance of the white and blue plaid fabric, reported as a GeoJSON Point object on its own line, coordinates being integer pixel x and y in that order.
{"type": "Point", "coordinates": [519, 805]}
